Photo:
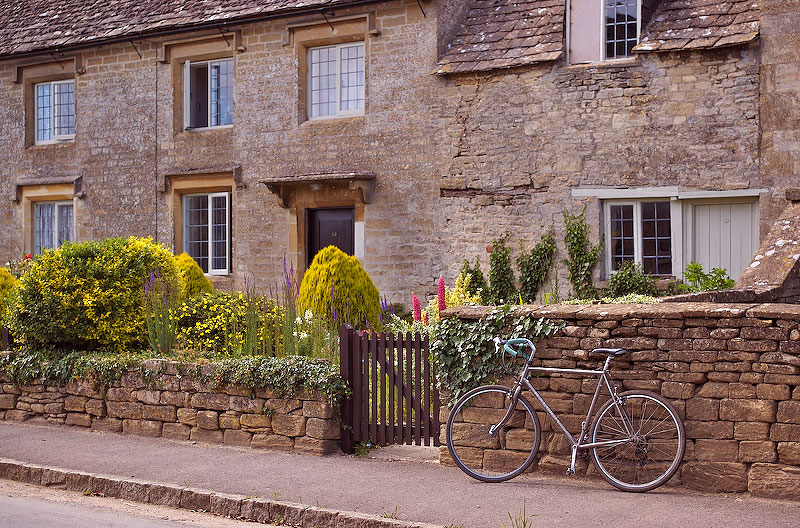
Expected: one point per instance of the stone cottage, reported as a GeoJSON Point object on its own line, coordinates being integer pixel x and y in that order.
{"type": "Point", "coordinates": [409, 133]}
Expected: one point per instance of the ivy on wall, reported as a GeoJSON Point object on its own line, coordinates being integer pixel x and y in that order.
{"type": "Point", "coordinates": [582, 255]}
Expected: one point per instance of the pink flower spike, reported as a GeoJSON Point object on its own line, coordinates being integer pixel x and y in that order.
{"type": "Point", "coordinates": [425, 318]}
{"type": "Point", "coordinates": [417, 307]}
{"type": "Point", "coordinates": [440, 294]}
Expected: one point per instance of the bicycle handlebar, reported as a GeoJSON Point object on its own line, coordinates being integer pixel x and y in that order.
{"type": "Point", "coordinates": [518, 342]}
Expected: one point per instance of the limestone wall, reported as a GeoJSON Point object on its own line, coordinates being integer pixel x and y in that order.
{"type": "Point", "coordinates": [731, 370]}
{"type": "Point", "coordinates": [174, 405]}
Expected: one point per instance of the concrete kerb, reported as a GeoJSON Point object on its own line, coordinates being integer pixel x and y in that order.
{"type": "Point", "coordinates": [222, 504]}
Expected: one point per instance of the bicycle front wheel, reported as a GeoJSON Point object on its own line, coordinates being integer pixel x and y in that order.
{"type": "Point", "coordinates": [505, 454]}
{"type": "Point", "coordinates": [651, 441]}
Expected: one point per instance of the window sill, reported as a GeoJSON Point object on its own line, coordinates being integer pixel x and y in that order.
{"type": "Point", "coordinates": [65, 141]}
{"type": "Point", "coordinates": [205, 129]}
{"type": "Point", "coordinates": [337, 119]}
{"type": "Point", "coordinates": [608, 63]}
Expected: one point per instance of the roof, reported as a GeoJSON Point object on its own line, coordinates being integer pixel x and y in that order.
{"type": "Point", "coordinates": [694, 24]}
{"type": "Point", "coordinates": [41, 25]}
{"type": "Point", "coordinates": [500, 34]}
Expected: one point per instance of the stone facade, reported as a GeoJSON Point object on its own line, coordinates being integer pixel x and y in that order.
{"type": "Point", "coordinates": [180, 407]}
{"type": "Point", "coordinates": [457, 159]}
{"type": "Point", "coordinates": [731, 370]}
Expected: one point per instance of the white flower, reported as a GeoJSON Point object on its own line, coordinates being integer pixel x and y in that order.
{"type": "Point", "coordinates": [309, 315]}
{"type": "Point", "coordinates": [298, 321]}
{"type": "Point", "coordinates": [303, 335]}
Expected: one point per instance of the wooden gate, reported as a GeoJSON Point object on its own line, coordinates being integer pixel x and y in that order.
{"type": "Point", "coordinates": [393, 381]}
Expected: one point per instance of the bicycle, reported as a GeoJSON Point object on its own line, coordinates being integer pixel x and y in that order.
{"type": "Point", "coordinates": [637, 439]}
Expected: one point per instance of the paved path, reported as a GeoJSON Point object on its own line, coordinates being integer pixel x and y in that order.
{"type": "Point", "coordinates": [26, 506]}
{"type": "Point", "coordinates": [416, 491]}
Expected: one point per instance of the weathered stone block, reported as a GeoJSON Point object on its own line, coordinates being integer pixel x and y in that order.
{"type": "Point", "coordinates": [213, 401]}
{"type": "Point", "coordinates": [272, 441]}
{"type": "Point", "coordinates": [187, 417]}
{"type": "Point", "coordinates": [207, 420]}
{"type": "Point", "coordinates": [716, 450]}
{"type": "Point", "coordinates": [757, 451]}
{"type": "Point", "coordinates": [112, 425]}
{"type": "Point", "coordinates": [150, 397]}
{"type": "Point", "coordinates": [237, 438]}
{"type": "Point", "coordinates": [677, 391]}
{"type": "Point", "coordinates": [789, 453]}
{"type": "Point", "coordinates": [71, 403]}
{"type": "Point", "coordinates": [175, 431]}
{"type": "Point", "coordinates": [195, 499]}
{"type": "Point", "coordinates": [255, 510]}
{"type": "Point", "coordinates": [178, 399]}
{"type": "Point", "coordinates": [53, 477]}
{"type": "Point", "coordinates": [319, 518]}
{"type": "Point", "coordinates": [751, 431]}
{"type": "Point", "coordinates": [134, 490]}
{"type": "Point", "coordinates": [774, 481]}
{"type": "Point", "coordinates": [96, 407]}
{"type": "Point", "coordinates": [704, 409]}
{"type": "Point", "coordinates": [206, 436]}
{"type": "Point", "coordinates": [789, 412]}
{"type": "Point", "coordinates": [286, 513]}
{"type": "Point", "coordinates": [124, 409]}
{"type": "Point", "coordinates": [54, 408]}
{"type": "Point", "coordinates": [82, 388]}
{"type": "Point", "coordinates": [246, 405]}
{"type": "Point", "coordinates": [317, 409]}
{"type": "Point", "coordinates": [165, 495]}
{"type": "Point", "coordinates": [782, 432]}
{"type": "Point", "coordinates": [741, 410]}
{"type": "Point", "coordinates": [315, 446]}
{"type": "Point", "coordinates": [259, 422]}
{"type": "Point", "coordinates": [162, 413]}
{"type": "Point", "coordinates": [118, 394]}
{"type": "Point", "coordinates": [106, 486]}
{"type": "Point", "coordinates": [768, 391]}
{"type": "Point", "coordinates": [83, 420]}
{"type": "Point", "coordinates": [141, 427]}
{"type": "Point", "coordinates": [323, 429]}
{"type": "Point", "coordinates": [283, 405]}
{"type": "Point", "coordinates": [226, 505]}
{"type": "Point", "coordinates": [715, 429]}
{"type": "Point", "coordinates": [77, 481]}
{"type": "Point", "coordinates": [715, 476]}
{"type": "Point", "coordinates": [713, 390]}
{"type": "Point", "coordinates": [229, 421]}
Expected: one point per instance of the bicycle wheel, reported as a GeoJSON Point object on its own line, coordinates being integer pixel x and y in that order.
{"type": "Point", "coordinates": [649, 457]}
{"type": "Point", "coordinates": [506, 454]}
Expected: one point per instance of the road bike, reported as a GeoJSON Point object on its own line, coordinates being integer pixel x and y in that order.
{"type": "Point", "coordinates": [636, 440]}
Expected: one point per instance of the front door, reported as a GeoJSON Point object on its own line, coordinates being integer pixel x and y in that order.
{"type": "Point", "coordinates": [330, 227]}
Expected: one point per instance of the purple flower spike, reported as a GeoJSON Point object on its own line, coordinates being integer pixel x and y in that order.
{"type": "Point", "coordinates": [284, 264]}
{"type": "Point", "coordinates": [334, 315]}
{"type": "Point", "coordinates": [380, 318]}
{"type": "Point", "coordinates": [367, 321]}
{"type": "Point", "coordinates": [146, 288]}
{"type": "Point", "coordinates": [166, 302]}
{"type": "Point", "coordinates": [332, 297]}
{"type": "Point", "coordinates": [152, 279]}
{"type": "Point", "coordinates": [391, 307]}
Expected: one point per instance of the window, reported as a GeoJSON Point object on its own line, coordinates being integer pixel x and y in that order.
{"type": "Point", "coordinates": [640, 232]}
{"type": "Point", "coordinates": [622, 27]}
{"type": "Point", "coordinates": [336, 80]}
{"type": "Point", "coordinates": [206, 231]}
{"type": "Point", "coordinates": [55, 111]}
{"type": "Point", "coordinates": [601, 30]}
{"type": "Point", "coordinates": [208, 93]}
{"type": "Point", "coordinates": [52, 225]}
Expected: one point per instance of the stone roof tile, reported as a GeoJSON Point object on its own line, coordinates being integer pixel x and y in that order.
{"type": "Point", "coordinates": [40, 25]}
{"type": "Point", "coordinates": [694, 24]}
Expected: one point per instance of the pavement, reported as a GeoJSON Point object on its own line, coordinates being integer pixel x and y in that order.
{"type": "Point", "coordinates": [404, 483]}
{"type": "Point", "coordinates": [28, 506]}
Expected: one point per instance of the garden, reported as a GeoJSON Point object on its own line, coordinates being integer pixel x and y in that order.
{"type": "Point", "coordinates": [94, 310]}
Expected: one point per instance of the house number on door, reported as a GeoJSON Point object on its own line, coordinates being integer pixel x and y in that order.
{"type": "Point", "coordinates": [334, 233]}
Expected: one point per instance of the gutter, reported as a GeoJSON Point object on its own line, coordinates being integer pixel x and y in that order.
{"type": "Point", "coordinates": [182, 29]}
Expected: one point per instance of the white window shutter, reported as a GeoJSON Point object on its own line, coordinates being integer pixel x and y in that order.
{"type": "Point", "coordinates": [186, 94]}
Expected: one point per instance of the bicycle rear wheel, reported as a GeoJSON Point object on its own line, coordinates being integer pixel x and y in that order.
{"type": "Point", "coordinates": [652, 454]}
{"type": "Point", "coordinates": [506, 454]}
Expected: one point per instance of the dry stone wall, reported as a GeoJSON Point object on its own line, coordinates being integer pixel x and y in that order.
{"type": "Point", "coordinates": [731, 370]}
{"type": "Point", "coordinates": [181, 407]}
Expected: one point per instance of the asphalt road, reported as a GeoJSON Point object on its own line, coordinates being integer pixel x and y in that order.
{"type": "Point", "coordinates": [414, 490]}
{"type": "Point", "coordinates": [25, 506]}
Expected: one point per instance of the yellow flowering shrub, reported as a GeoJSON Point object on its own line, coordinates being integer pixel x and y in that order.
{"type": "Point", "coordinates": [336, 286]}
{"type": "Point", "coordinates": [7, 284]}
{"type": "Point", "coordinates": [90, 295]}
{"type": "Point", "coordinates": [194, 280]}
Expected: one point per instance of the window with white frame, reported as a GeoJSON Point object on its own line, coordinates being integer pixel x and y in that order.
{"type": "Point", "coordinates": [55, 111]}
{"type": "Point", "coordinates": [52, 225]}
{"type": "Point", "coordinates": [206, 231]}
{"type": "Point", "coordinates": [208, 93]}
{"type": "Point", "coordinates": [621, 27]}
{"type": "Point", "coordinates": [336, 80]}
{"type": "Point", "coordinates": [601, 30]}
{"type": "Point", "coordinates": [640, 232]}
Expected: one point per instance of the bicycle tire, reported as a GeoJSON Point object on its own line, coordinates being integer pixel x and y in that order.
{"type": "Point", "coordinates": [469, 446]}
{"type": "Point", "coordinates": [660, 444]}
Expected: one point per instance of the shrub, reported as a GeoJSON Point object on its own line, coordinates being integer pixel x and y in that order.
{"type": "Point", "coordinates": [7, 285]}
{"type": "Point", "coordinates": [631, 278]}
{"type": "Point", "coordinates": [698, 280]}
{"type": "Point", "coordinates": [337, 287]}
{"type": "Point", "coordinates": [534, 267]}
{"type": "Point", "coordinates": [501, 276]}
{"type": "Point", "coordinates": [195, 282]}
{"type": "Point", "coordinates": [582, 255]}
{"type": "Point", "coordinates": [89, 296]}
{"type": "Point", "coordinates": [477, 282]}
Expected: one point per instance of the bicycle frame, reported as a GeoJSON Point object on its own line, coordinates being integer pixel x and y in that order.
{"type": "Point", "coordinates": [576, 442]}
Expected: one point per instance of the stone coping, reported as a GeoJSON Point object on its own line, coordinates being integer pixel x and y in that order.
{"type": "Point", "coordinates": [222, 504]}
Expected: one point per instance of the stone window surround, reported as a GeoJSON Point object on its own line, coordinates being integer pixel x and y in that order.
{"type": "Point", "coordinates": [201, 47]}
{"type": "Point", "coordinates": [182, 185]}
{"type": "Point", "coordinates": [31, 74]}
{"type": "Point", "coordinates": [317, 33]}
{"type": "Point", "coordinates": [680, 216]}
{"type": "Point", "coordinates": [31, 194]}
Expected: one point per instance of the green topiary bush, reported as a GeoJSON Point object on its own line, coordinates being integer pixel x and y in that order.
{"type": "Point", "coordinates": [90, 295]}
{"type": "Point", "coordinates": [336, 286]}
{"type": "Point", "coordinates": [7, 285]}
{"type": "Point", "coordinates": [195, 282]}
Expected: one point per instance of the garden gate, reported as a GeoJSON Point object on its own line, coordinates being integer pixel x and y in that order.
{"type": "Point", "coordinates": [394, 397]}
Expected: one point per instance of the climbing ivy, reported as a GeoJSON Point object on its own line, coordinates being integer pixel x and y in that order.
{"type": "Point", "coordinates": [464, 352]}
{"type": "Point", "coordinates": [582, 255]}
{"type": "Point", "coordinates": [534, 267]}
{"type": "Point", "coordinates": [501, 276]}
{"type": "Point", "coordinates": [477, 282]}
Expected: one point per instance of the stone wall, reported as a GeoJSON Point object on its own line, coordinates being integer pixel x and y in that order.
{"type": "Point", "coordinates": [731, 370]}
{"type": "Point", "coordinates": [174, 405]}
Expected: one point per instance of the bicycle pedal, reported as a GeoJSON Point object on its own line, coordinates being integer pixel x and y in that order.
{"type": "Point", "coordinates": [570, 472]}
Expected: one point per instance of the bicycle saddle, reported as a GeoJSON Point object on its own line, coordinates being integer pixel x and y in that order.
{"type": "Point", "coordinates": [610, 351]}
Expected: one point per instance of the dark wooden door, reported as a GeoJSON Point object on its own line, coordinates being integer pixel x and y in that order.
{"type": "Point", "coordinates": [331, 227]}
